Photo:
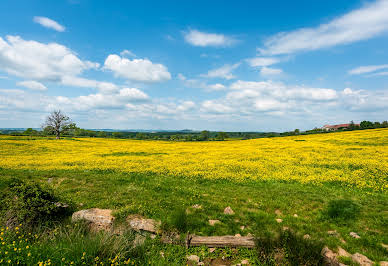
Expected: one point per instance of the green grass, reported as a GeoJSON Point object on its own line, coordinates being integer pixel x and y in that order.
{"type": "Point", "coordinates": [254, 203]}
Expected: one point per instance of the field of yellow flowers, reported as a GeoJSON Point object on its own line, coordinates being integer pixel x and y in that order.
{"type": "Point", "coordinates": [356, 158]}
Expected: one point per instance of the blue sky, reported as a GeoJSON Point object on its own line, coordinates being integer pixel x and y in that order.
{"type": "Point", "coordinates": [217, 65]}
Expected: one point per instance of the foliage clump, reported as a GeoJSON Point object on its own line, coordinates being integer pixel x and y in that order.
{"type": "Point", "coordinates": [31, 204]}
{"type": "Point", "coordinates": [288, 248]}
{"type": "Point", "coordinates": [342, 209]}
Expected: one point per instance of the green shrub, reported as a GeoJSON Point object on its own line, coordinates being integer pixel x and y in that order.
{"type": "Point", "coordinates": [179, 220]}
{"type": "Point", "coordinates": [288, 249]}
{"type": "Point", "coordinates": [342, 209]}
{"type": "Point", "coordinates": [31, 204]}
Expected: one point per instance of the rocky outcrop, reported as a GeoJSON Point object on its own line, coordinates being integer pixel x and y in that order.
{"type": "Point", "coordinates": [99, 219]}
{"type": "Point", "coordinates": [139, 223]}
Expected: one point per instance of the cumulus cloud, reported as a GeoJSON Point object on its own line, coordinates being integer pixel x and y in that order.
{"type": "Point", "coordinates": [268, 71]}
{"type": "Point", "coordinates": [104, 87]}
{"type": "Point", "coordinates": [216, 87]}
{"type": "Point", "coordinates": [142, 70]}
{"type": "Point", "coordinates": [367, 69]}
{"type": "Point", "coordinates": [364, 23]}
{"type": "Point", "coordinates": [127, 53]}
{"type": "Point", "coordinates": [49, 23]}
{"type": "Point", "coordinates": [39, 61]}
{"type": "Point", "coordinates": [203, 39]}
{"type": "Point", "coordinates": [224, 72]}
{"type": "Point", "coordinates": [262, 61]}
{"type": "Point", "coordinates": [33, 85]}
{"type": "Point", "coordinates": [250, 98]}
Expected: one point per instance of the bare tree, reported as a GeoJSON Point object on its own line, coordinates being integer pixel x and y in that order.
{"type": "Point", "coordinates": [57, 122]}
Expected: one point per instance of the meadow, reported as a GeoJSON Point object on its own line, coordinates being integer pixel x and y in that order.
{"type": "Point", "coordinates": [292, 178]}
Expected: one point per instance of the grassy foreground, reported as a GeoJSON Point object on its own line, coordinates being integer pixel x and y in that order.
{"type": "Point", "coordinates": [359, 159]}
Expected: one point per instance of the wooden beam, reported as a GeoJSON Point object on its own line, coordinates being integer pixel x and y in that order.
{"type": "Point", "coordinates": [220, 241]}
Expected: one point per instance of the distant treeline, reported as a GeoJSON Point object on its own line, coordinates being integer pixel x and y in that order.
{"type": "Point", "coordinates": [186, 135]}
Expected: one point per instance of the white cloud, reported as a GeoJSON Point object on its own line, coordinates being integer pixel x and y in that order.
{"type": "Point", "coordinates": [215, 107]}
{"type": "Point", "coordinates": [142, 70]}
{"type": "Point", "coordinates": [223, 72]}
{"type": "Point", "coordinates": [203, 39]}
{"type": "Point", "coordinates": [49, 23]}
{"type": "Point", "coordinates": [364, 23]}
{"type": "Point", "coordinates": [384, 73]}
{"type": "Point", "coordinates": [262, 61]}
{"type": "Point", "coordinates": [117, 100]}
{"type": "Point", "coordinates": [104, 87]}
{"type": "Point", "coordinates": [181, 76]}
{"type": "Point", "coordinates": [281, 91]}
{"type": "Point", "coordinates": [267, 71]}
{"type": "Point", "coordinates": [186, 106]}
{"type": "Point", "coordinates": [33, 85]}
{"type": "Point", "coordinates": [366, 69]}
{"type": "Point", "coordinates": [127, 53]}
{"type": "Point", "coordinates": [39, 61]}
{"type": "Point", "coordinates": [216, 87]}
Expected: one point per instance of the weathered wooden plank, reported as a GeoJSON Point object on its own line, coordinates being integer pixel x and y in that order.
{"type": "Point", "coordinates": [221, 241]}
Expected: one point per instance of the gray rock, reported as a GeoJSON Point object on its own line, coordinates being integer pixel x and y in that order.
{"type": "Point", "coordinates": [244, 262]}
{"type": "Point", "coordinates": [329, 257]}
{"type": "Point", "coordinates": [228, 210]}
{"type": "Point", "coordinates": [343, 253]}
{"type": "Point", "coordinates": [355, 235]}
{"type": "Point", "coordinates": [139, 223]}
{"type": "Point", "coordinates": [361, 259]}
{"type": "Point", "coordinates": [214, 222]}
{"type": "Point", "coordinates": [194, 258]}
{"type": "Point", "coordinates": [99, 219]}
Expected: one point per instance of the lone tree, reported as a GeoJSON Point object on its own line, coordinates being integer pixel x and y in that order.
{"type": "Point", "coordinates": [57, 122]}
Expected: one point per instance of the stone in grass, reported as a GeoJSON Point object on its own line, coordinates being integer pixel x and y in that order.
{"type": "Point", "coordinates": [242, 227]}
{"type": "Point", "coordinates": [278, 212]}
{"type": "Point", "coordinates": [244, 262]}
{"type": "Point", "coordinates": [361, 259]}
{"type": "Point", "coordinates": [332, 233]}
{"type": "Point", "coordinates": [343, 253]}
{"type": "Point", "coordinates": [354, 235]}
{"type": "Point", "coordinates": [384, 246]}
{"type": "Point", "coordinates": [211, 250]}
{"type": "Point", "coordinates": [295, 215]}
{"type": "Point", "coordinates": [306, 236]}
{"type": "Point", "coordinates": [193, 258]}
{"type": "Point", "coordinates": [99, 219]}
{"type": "Point", "coordinates": [279, 220]}
{"type": "Point", "coordinates": [139, 223]}
{"type": "Point", "coordinates": [228, 210]}
{"type": "Point", "coordinates": [214, 222]}
{"type": "Point", "coordinates": [329, 257]}
{"type": "Point", "coordinates": [196, 206]}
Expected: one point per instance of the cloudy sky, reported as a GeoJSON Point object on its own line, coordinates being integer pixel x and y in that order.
{"type": "Point", "coordinates": [217, 65]}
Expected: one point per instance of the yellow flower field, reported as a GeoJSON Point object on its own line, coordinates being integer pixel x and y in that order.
{"type": "Point", "coordinates": [357, 158]}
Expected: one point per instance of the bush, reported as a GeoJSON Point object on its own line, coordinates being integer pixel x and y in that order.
{"type": "Point", "coordinates": [179, 220]}
{"type": "Point", "coordinates": [288, 249]}
{"type": "Point", "coordinates": [31, 204]}
{"type": "Point", "coordinates": [342, 209]}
